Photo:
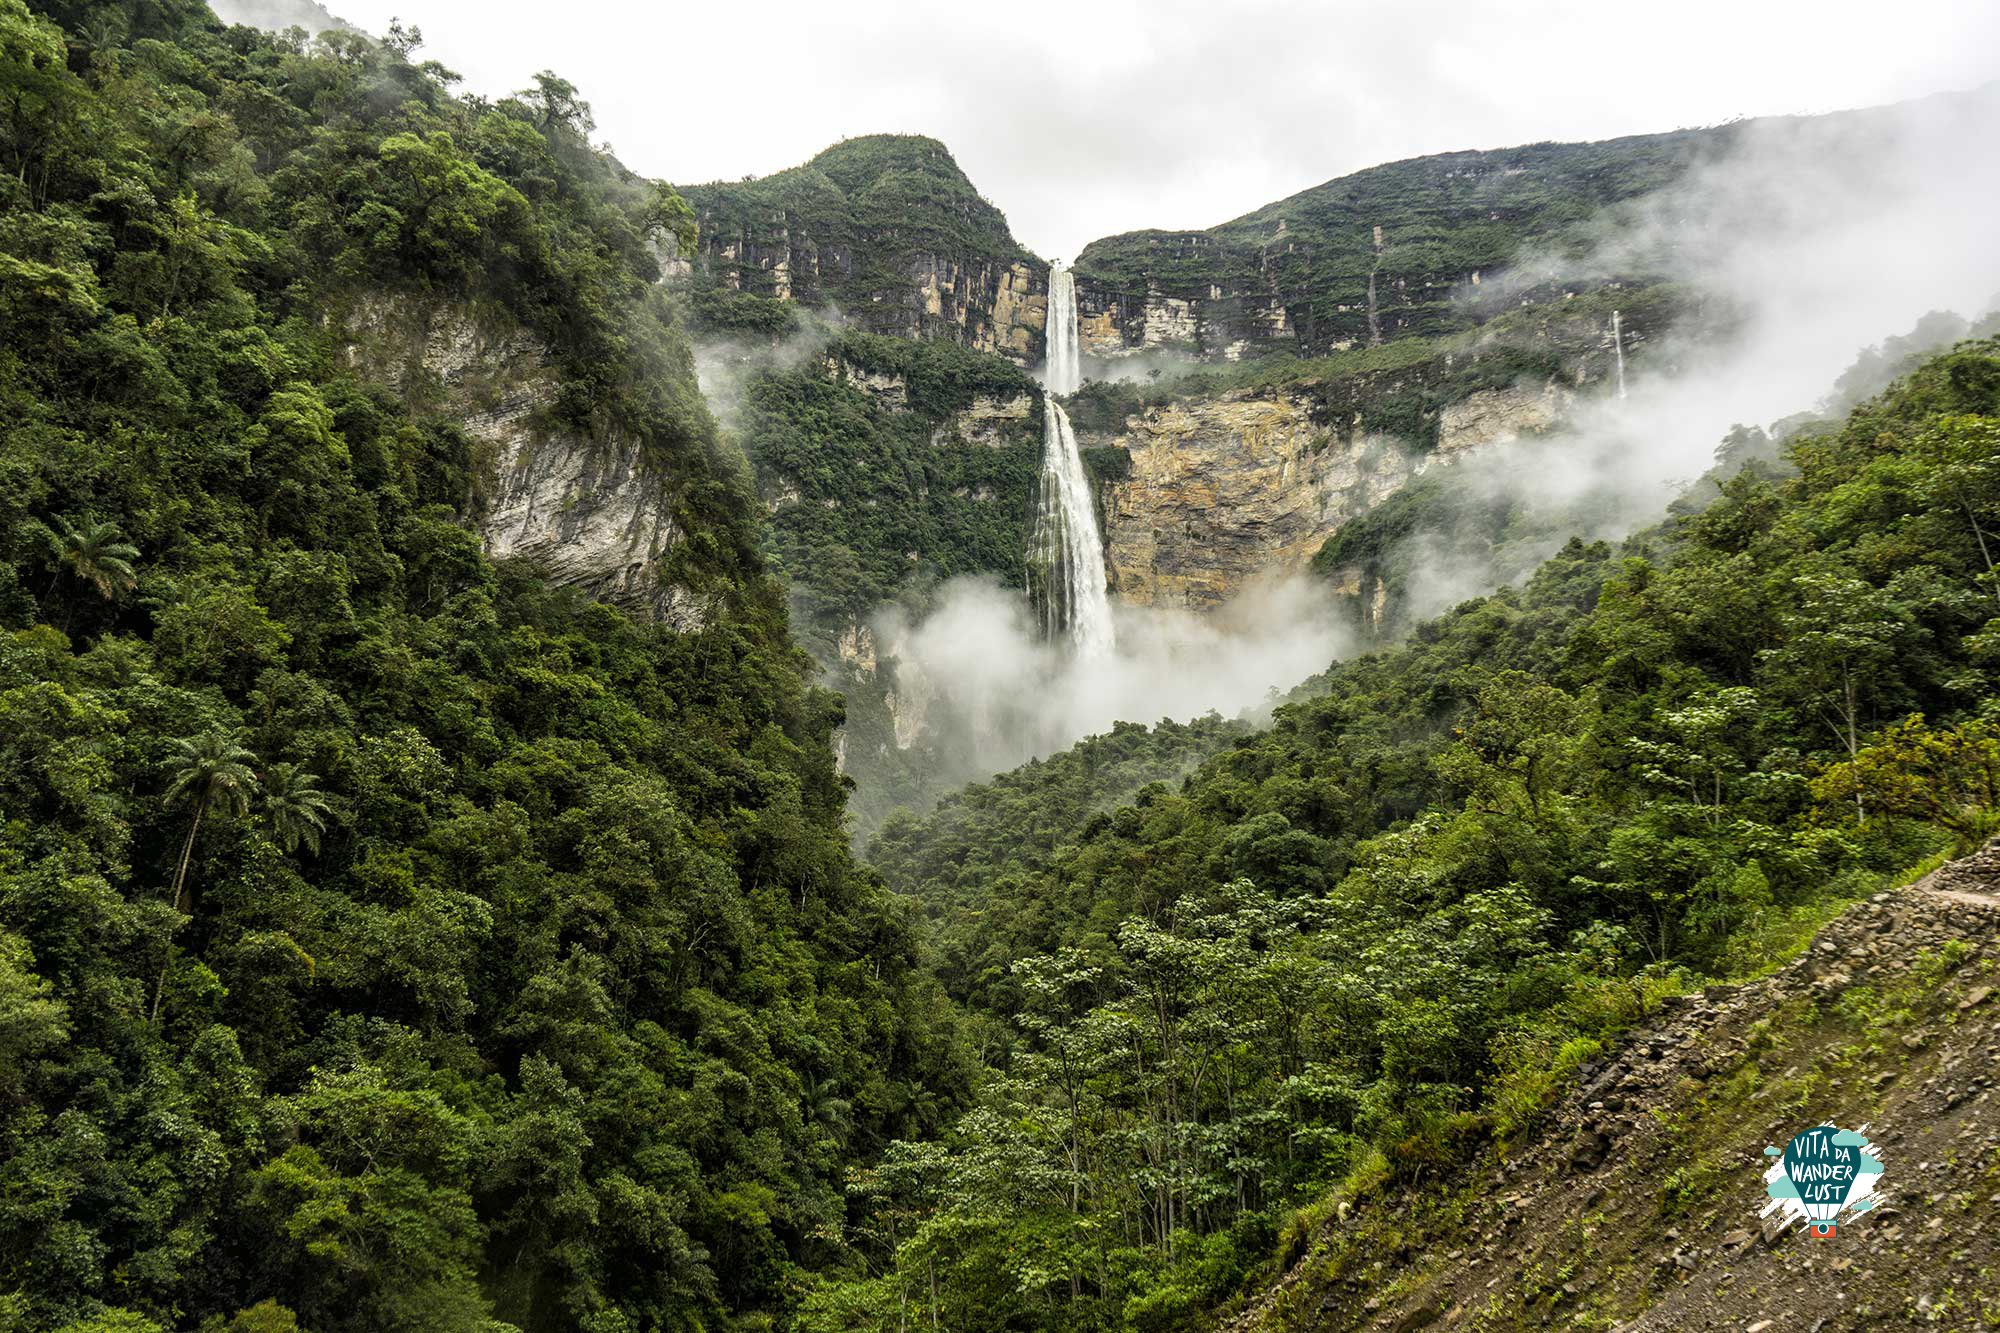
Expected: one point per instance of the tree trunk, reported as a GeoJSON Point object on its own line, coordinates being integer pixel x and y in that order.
{"type": "Point", "coordinates": [1979, 535]}
{"type": "Point", "coordinates": [187, 851]}
{"type": "Point", "coordinates": [180, 881]}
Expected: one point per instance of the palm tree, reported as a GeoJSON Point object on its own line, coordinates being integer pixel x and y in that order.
{"type": "Point", "coordinates": [97, 554]}
{"type": "Point", "coordinates": [209, 770]}
{"type": "Point", "coordinates": [295, 806]}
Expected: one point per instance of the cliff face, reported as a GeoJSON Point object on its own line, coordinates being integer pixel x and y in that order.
{"type": "Point", "coordinates": [887, 232]}
{"type": "Point", "coordinates": [1223, 489]}
{"type": "Point", "coordinates": [1406, 249]}
{"type": "Point", "coordinates": [585, 509]}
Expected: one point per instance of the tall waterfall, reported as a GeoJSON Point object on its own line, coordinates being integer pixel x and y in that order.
{"type": "Point", "coordinates": [1618, 345]}
{"type": "Point", "coordinates": [1066, 554]}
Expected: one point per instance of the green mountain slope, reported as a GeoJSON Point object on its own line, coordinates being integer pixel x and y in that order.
{"type": "Point", "coordinates": [1355, 949]}
{"type": "Point", "coordinates": [387, 934]}
{"type": "Point", "coordinates": [1388, 252]}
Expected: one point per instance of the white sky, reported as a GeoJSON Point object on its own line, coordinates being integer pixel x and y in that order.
{"type": "Point", "coordinates": [1081, 118]}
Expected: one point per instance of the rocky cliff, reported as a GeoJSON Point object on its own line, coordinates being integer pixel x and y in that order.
{"type": "Point", "coordinates": [1223, 488]}
{"type": "Point", "coordinates": [584, 507]}
{"type": "Point", "coordinates": [1407, 249]}
{"type": "Point", "coordinates": [885, 231]}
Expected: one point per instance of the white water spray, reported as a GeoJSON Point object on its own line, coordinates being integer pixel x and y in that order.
{"type": "Point", "coordinates": [1618, 345]}
{"type": "Point", "coordinates": [1066, 554]}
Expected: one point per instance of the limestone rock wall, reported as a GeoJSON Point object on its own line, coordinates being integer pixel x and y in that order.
{"type": "Point", "coordinates": [586, 510]}
{"type": "Point", "coordinates": [1222, 326]}
{"type": "Point", "coordinates": [986, 304]}
{"type": "Point", "coordinates": [1223, 489]}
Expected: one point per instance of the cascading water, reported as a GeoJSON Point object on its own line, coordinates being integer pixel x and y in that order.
{"type": "Point", "coordinates": [1618, 345]}
{"type": "Point", "coordinates": [1066, 554]}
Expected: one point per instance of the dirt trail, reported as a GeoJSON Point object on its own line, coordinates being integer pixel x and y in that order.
{"type": "Point", "coordinates": [1635, 1205]}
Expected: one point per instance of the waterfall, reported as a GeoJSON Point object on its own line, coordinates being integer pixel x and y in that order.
{"type": "Point", "coordinates": [1066, 554]}
{"type": "Point", "coordinates": [1618, 345]}
{"type": "Point", "coordinates": [1064, 374]}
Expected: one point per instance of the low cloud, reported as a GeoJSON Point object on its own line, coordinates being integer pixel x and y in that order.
{"type": "Point", "coordinates": [993, 693]}
{"type": "Point", "coordinates": [1807, 243]}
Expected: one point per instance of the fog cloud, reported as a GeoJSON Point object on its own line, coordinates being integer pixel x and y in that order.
{"type": "Point", "coordinates": [993, 693]}
{"type": "Point", "coordinates": [1808, 242]}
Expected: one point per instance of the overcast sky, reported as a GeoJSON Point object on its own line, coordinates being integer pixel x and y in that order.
{"type": "Point", "coordinates": [1081, 118]}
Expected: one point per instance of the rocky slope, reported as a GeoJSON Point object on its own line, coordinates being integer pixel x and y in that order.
{"type": "Point", "coordinates": [1637, 1202]}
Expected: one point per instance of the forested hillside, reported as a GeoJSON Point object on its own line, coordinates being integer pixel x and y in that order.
{"type": "Point", "coordinates": [398, 937]}
{"type": "Point", "coordinates": [389, 939]}
{"type": "Point", "coordinates": [1351, 949]}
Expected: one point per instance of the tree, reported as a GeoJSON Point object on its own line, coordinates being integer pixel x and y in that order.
{"type": "Point", "coordinates": [97, 554]}
{"type": "Point", "coordinates": [1838, 645]}
{"type": "Point", "coordinates": [209, 770]}
{"type": "Point", "coordinates": [556, 105]}
{"type": "Point", "coordinates": [1949, 779]}
{"type": "Point", "coordinates": [1965, 455]}
{"type": "Point", "coordinates": [294, 806]}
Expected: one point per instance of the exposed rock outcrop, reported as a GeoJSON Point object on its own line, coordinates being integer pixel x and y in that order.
{"type": "Point", "coordinates": [586, 510]}
{"type": "Point", "coordinates": [1495, 416]}
{"type": "Point", "coordinates": [1224, 489]}
{"type": "Point", "coordinates": [886, 231]}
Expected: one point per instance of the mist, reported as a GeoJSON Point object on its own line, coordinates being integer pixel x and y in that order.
{"type": "Point", "coordinates": [1805, 243]}
{"type": "Point", "coordinates": [725, 367]}
{"type": "Point", "coordinates": [994, 693]}
{"type": "Point", "coordinates": [1800, 245]}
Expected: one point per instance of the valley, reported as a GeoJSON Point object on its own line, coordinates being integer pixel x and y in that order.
{"type": "Point", "coordinates": [581, 753]}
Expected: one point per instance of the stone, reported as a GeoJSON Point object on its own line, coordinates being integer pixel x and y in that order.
{"type": "Point", "coordinates": [1422, 1317]}
{"type": "Point", "coordinates": [586, 509]}
{"type": "Point", "coordinates": [1224, 489]}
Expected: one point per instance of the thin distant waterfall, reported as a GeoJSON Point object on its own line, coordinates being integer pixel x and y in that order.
{"type": "Point", "coordinates": [1066, 554]}
{"type": "Point", "coordinates": [1618, 344]}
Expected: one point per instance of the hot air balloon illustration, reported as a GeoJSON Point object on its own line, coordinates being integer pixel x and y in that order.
{"type": "Point", "coordinates": [1823, 1169]}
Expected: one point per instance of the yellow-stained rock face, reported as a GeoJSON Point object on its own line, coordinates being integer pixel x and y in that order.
{"type": "Point", "coordinates": [1224, 489]}
{"type": "Point", "coordinates": [1494, 416]}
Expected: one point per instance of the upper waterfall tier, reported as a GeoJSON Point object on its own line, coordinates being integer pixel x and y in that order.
{"type": "Point", "coordinates": [1064, 373]}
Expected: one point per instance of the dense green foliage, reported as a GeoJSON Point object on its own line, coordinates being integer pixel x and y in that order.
{"type": "Point", "coordinates": [392, 941]}
{"type": "Point", "coordinates": [876, 490]}
{"type": "Point", "coordinates": [961, 854]}
{"type": "Point", "coordinates": [1350, 946]}
{"type": "Point", "coordinates": [384, 934]}
{"type": "Point", "coordinates": [1441, 220]}
{"type": "Point", "coordinates": [850, 228]}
